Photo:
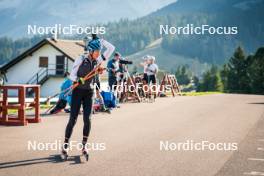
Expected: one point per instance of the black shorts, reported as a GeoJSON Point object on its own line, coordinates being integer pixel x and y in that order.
{"type": "Point", "coordinates": [152, 79]}
{"type": "Point", "coordinates": [145, 77]}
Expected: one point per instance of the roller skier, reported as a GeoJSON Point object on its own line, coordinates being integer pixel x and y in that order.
{"type": "Point", "coordinates": [83, 94]}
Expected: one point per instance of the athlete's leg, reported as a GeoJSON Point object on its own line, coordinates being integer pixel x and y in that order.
{"type": "Point", "coordinates": [87, 111]}
{"type": "Point", "coordinates": [75, 108]}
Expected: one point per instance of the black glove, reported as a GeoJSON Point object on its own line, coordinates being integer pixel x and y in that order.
{"type": "Point", "coordinates": [103, 57]}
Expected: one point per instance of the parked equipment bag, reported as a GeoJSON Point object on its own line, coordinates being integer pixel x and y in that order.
{"type": "Point", "coordinates": [109, 99]}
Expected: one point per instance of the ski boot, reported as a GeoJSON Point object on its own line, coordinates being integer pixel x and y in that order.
{"type": "Point", "coordinates": [64, 154]}
{"type": "Point", "coordinates": [85, 153]}
{"type": "Point", "coordinates": [154, 98]}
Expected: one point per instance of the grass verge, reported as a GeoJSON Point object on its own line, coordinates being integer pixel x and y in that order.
{"type": "Point", "coordinates": [198, 93]}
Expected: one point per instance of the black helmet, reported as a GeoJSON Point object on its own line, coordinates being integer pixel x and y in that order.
{"type": "Point", "coordinates": [117, 54]}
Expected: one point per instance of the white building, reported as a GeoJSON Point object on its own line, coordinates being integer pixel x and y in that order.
{"type": "Point", "coordinates": [43, 64]}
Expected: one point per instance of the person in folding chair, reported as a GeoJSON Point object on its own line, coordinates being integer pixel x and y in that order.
{"type": "Point", "coordinates": [99, 97]}
{"type": "Point", "coordinates": [83, 94]}
{"type": "Point", "coordinates": [63, 98]}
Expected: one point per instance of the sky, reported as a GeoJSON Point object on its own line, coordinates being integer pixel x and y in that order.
{"type": "Point", "coordinates": [15, 15]}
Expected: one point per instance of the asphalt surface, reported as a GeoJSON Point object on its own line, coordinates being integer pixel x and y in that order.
{"type": "Point", "coordinates": [128, 142]}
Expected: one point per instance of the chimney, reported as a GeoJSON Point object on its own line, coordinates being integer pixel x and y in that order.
{"type": "Point", "coordinates": [54, 35]}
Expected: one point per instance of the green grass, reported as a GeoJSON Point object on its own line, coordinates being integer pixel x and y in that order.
{"type": "Point", "coordinates": [42, 106]}
{"type": "Point", "coordinates": [198, 93]}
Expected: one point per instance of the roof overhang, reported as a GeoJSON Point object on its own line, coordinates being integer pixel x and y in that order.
{"type": "Point", "coordinates": [31, 50]}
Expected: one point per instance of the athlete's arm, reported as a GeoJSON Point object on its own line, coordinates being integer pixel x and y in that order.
{"type": "Point", "coordinates": [108, 52]}
{"type": "Point", "coordinates": [77, 63]}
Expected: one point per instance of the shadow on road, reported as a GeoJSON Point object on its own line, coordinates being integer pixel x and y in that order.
{"type": "Point", "coordinates": [257, 103]}
{"type": "Point", "coordinates": [52, 159]}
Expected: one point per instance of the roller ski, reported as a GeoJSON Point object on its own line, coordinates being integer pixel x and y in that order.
{"type": "Point", "coordinates": [150, 98]}
{"type": "Point", "coordinates": [106, 110]}
{"type": "Point", "coordinates": [85, 154]}
{"type": "Point", "coordinates": [64, 154]}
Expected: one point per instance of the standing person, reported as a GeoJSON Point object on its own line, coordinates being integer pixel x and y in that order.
{"type": "Point", "coordinates": [83, 94]}
{"type": "Point", "coordinates": [97, 80]}
{"type": "Point", "coordinates": [144, 64]}
{"type": "Point", "coordinates": [152, 70]}
{"type": "Point", "coordinates": [113, 69]}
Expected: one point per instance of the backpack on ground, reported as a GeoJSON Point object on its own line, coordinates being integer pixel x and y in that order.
{"type": "Point", "coordinates": [109, 99]}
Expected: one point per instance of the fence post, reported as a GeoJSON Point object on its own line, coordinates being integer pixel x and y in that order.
{"type": "Point", "coordinates": [37, 78]}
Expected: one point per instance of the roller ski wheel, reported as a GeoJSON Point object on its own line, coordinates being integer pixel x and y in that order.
{"type": "Point", "coordinates": [85, 154]}
{"type": "Point", "coordinates": [106, 110]}
{"type": "Point", "coordinates": [64, 155]}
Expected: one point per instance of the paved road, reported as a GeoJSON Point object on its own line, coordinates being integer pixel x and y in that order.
{"type": "Point", "coordinates": [132, 134]}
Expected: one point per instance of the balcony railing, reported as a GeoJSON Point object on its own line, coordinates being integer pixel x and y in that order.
{"type": "Point", "coordinates": [44, 73]}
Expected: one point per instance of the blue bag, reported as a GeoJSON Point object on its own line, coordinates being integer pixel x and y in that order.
{"type": "Point", "coordinates": [109, 99]}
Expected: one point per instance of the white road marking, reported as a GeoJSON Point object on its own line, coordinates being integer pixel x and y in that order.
{"type": "Point", "coordinates": [261, 149]}
{"type": "Point", "coordinates": [253, 173]}
{"type": "Point", "coordinates": [256, 159]}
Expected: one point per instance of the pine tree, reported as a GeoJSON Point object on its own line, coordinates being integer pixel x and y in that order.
{"type": "Point", "coordinates": [256, 72]}
{"type": "Point", "coordinates": [182, 75]}
{"type": "Point", "coordinates": [238, 77]}
{"type": "Point", "coordinates": [224, 77]}
{"type": "Point", "coordinates": [211, 81]}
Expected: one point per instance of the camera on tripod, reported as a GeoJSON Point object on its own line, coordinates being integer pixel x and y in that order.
{"type": "Point", "coordinates": [125, 62]}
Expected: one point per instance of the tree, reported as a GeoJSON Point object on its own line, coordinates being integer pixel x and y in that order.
{"type": "Point", "coordinates": [211, 80]}
{"type": "Point", "coordinates": [244, 74]}
{"type": "Point", "coordinates": [256, 71]}
{"type": "Point", "coordinates": [224, 76]}
{"type": "Point", "coordinates": [237, 73]}
{"type": "Point", "coordinates": [182, 75]}
{"type": "Point", "coordinates": [196, 81]}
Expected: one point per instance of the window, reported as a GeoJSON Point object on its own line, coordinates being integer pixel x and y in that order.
{"type": "Point", "coordinates": [43, 61]}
